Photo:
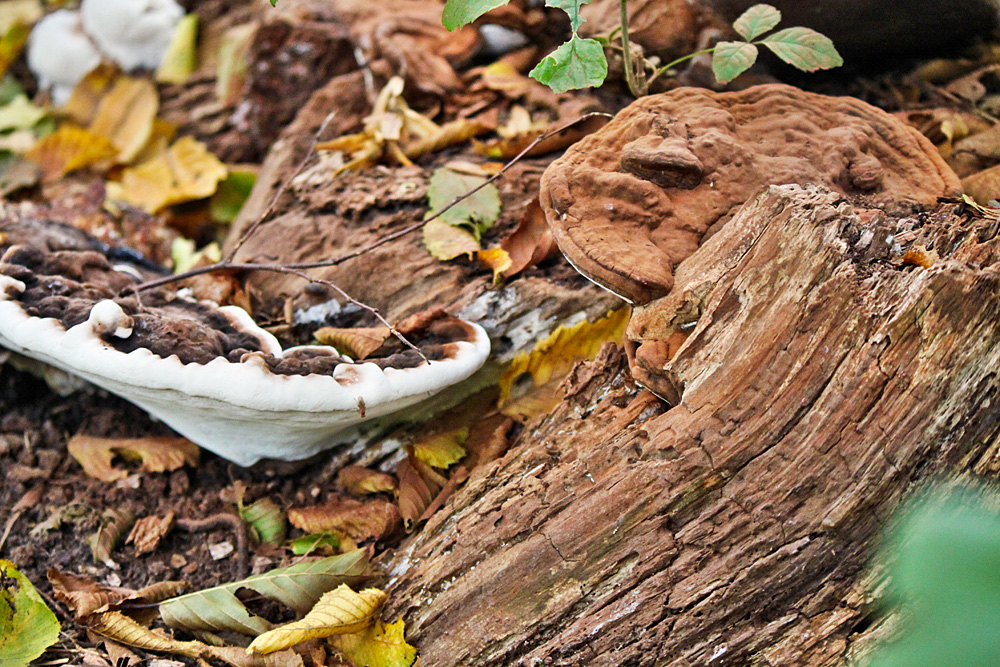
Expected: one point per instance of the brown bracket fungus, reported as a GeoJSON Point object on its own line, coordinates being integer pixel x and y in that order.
{"type": "Point", "coordinates": [210, 372]}
{"type": "Point", "coordinates": [630, 202]}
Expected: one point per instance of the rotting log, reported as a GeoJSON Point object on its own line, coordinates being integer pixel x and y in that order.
{"type": "Point", "coordinates": [826, 376]}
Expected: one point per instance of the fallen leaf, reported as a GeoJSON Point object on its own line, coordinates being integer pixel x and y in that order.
{"type": "Point", "coordinates": [450, 134]}
{"type": "Point", "coordinates": [88, 93]}
{"type": "Point", "coordinates": [381, 645]}
{"type": "Point", "coordinates": [114, 524]}
{"type": "Point", "coordinates": [551, 360]}
{"type": "Point", "coordinates": [12, 43]}
{"type": "Point", "coordinates": [340, 611]}
{"type": "Point", "coordinates": [446, 242]}
{"type": "Point", "coordinates": [372, 519]}
{"type": "Point", "coordinates": [148, 531]}
{"type": "Point", "coordinates": [418, 486]}
{"type": "Point", "coordinates": [478, 211]}
{"type": "Point", "coordinates": [232, 193]}
{"type": "Point", "coordinates": [231, 68]}
{"type": "Point", "coordinates": [298, 586]}
{"type": "Point", "coordinates": [179, 61]}
{"type": "Point", "coordinates": [17, 173]}
{"type": "Point", "coordinates": [23, 12]}
{"type": "Point", "coordinates": [27, 625]}
{"type": "Point", "coordinates": [186, 171]}
{"type": "Point", "coordinates": [983, 186]}
{"type": "Point", "coordinates": [319, 543]}
{"type": "Point", "coordinates": [20, 114]}
{"type": "Point", "coordinates": [531, 241]}
{"type": "Point", "coordinates": [497, 260]}
{"type": "Point", "coordinates": [67, 149]}
{"type": "Point", "coordinates": [125, 116]}
{"type": "Point", "coordinates": [266, 518]}
{"type": "Point", "coordinates": [356, 343]}
{"type": "Point", "coordinates": [441, 450]}
{"type": "Point", "coordinates": [358, 481]}
{"type": "Point", "coordinates": [158, 454]}
{"type": "Point", "coordinates": [84, 596]}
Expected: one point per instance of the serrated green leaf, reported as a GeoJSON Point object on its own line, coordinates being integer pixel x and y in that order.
{"type": "Point", "coordinates": [298, 587]}
{"type": "Point", "coordinates": [803, 48]}
{"type": "Point", "coordinates": [461, 12]}
{"type": "Point", "coordinates": [731, 59]}
{"type": "Point", "coordinates": [579, 63]}
{"type": "Point", "coordinates": [27, 625]}
{"type": "Point", "coordinates": [478, 212]}
{"type": "Point", "coordinates": [572, 8]}
{"type": "Point", "coordinates": [757, 20]}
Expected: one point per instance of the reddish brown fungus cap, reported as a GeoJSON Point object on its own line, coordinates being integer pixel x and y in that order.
{"type": "Point", "coordinates": [628, 203]}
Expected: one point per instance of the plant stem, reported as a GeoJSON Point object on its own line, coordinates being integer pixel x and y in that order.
{"type": "Point", "coordinates": [630, 78]}
{"type": "Point", "coordinates": [677, 62]}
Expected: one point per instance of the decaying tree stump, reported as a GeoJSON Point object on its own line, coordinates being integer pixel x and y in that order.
{"type": "Point", "coordinates": [833, 365]}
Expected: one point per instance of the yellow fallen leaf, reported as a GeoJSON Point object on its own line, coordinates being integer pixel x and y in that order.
{"type": "Point", "coordinates": [12, 43]}
{"type": "Point", "coordinates": [381, 645]}
{"type": "Point", "coordinates": [125, 116]}
{"type": "Point", "coordinates": [82, 105]}
{"type": "Point", "coordinates": [496, 259]}
{"type": "Point", "coordinates": [551, 359]}
{"type": "Point", "coordinates": [184, 172]}
{"type": "Point", "coordinates": [179, 61]}
{"type": "Point", "coordinates": [67, 149]}
{"type": "Point", "coordinates": [158, 454]}
{"type": "Point", "coordinates": [20, 114]}
{"type": "Point", "coordinates": [340, 611]}
{"type": "Point", "coordinates": [442, 449]}
{"type": "Point", "coordinates": [446, 241]}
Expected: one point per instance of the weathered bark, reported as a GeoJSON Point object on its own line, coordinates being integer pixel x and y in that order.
{"type": "Point", "coordinates": [823, 379]}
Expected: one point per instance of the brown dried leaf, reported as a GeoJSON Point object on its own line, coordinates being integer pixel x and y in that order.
{"type": "Point", "coordinates": [125, 116]}
{"type": "Point", "coordinates": [113, 527]}
{"type": "Point", "coordinates": [417, 489]}
{"type": "Point", "coordinates": [85, 597]}
{"type": "Point", "coordinates": [67, 149]}
{"type": "Point", "coordinates": [983, 186]}
{"type": "Point", "coordinates": [340, 611]}
{"type": "Point", "coordinates": [458, 477]}
{"type": "Point", "coordinates": [357, 343]}
{"type": "Point", "coordinates": [357, 480]}
{"type": "Point", "coordinates": [488, 440]}
{"type": "Point", "coordinates": [158, 454]}
{"type": "Point", "coordinates": [360, 521]}
{"type": "Point", "coordinates": [530, 243]}
{"type": "Point", "coordinates": [148, 531]}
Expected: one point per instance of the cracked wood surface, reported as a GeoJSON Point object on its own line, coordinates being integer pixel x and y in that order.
{"type": "Point", "coordinates": [823, 379]}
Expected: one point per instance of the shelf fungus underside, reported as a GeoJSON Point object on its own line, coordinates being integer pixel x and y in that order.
{"type": "Point", "coordinates": [210, 372]}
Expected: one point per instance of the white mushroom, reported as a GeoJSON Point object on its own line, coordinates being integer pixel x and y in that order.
{"type": "Point", "coordinates": [60, 53]}
{"type": "Point", "coordinates": [133, 33]}
{"type": "Point", "coordinates": [241, 411]}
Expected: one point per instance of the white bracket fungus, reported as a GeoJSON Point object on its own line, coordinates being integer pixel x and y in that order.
{"type": "Point", "coordinates": [67, 44]}
{"type": "Point", "coordinates": [241, 411]}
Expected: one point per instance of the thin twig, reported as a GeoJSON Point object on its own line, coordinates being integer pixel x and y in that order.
{"type": "Point", "coordinates": [305, 266]}
{"type": "Point", "coordinates": [281, 190]}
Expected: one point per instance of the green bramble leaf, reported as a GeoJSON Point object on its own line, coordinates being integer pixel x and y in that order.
{"type": "Point", "coordinates": [27, 625]}
{"type": "Point", "coordinates": [571, 7]}
{"type": "Point", "coordinates": [579, 63]}
{"type": "Point", "coordinates": [803, 48]}
{"type": "Point", "coordinates": [757, 20]}
{"type": "Point", "coordinates": [731, 59]}
{"type": "Point", "coordinates": [461, 12]}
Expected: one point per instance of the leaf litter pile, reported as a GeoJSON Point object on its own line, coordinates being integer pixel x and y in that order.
{"type": "Point", "coordinates": [123, 542]}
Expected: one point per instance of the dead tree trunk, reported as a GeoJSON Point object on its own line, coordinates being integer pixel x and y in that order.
{"type": "Point", "coordinates": [826, 375]}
